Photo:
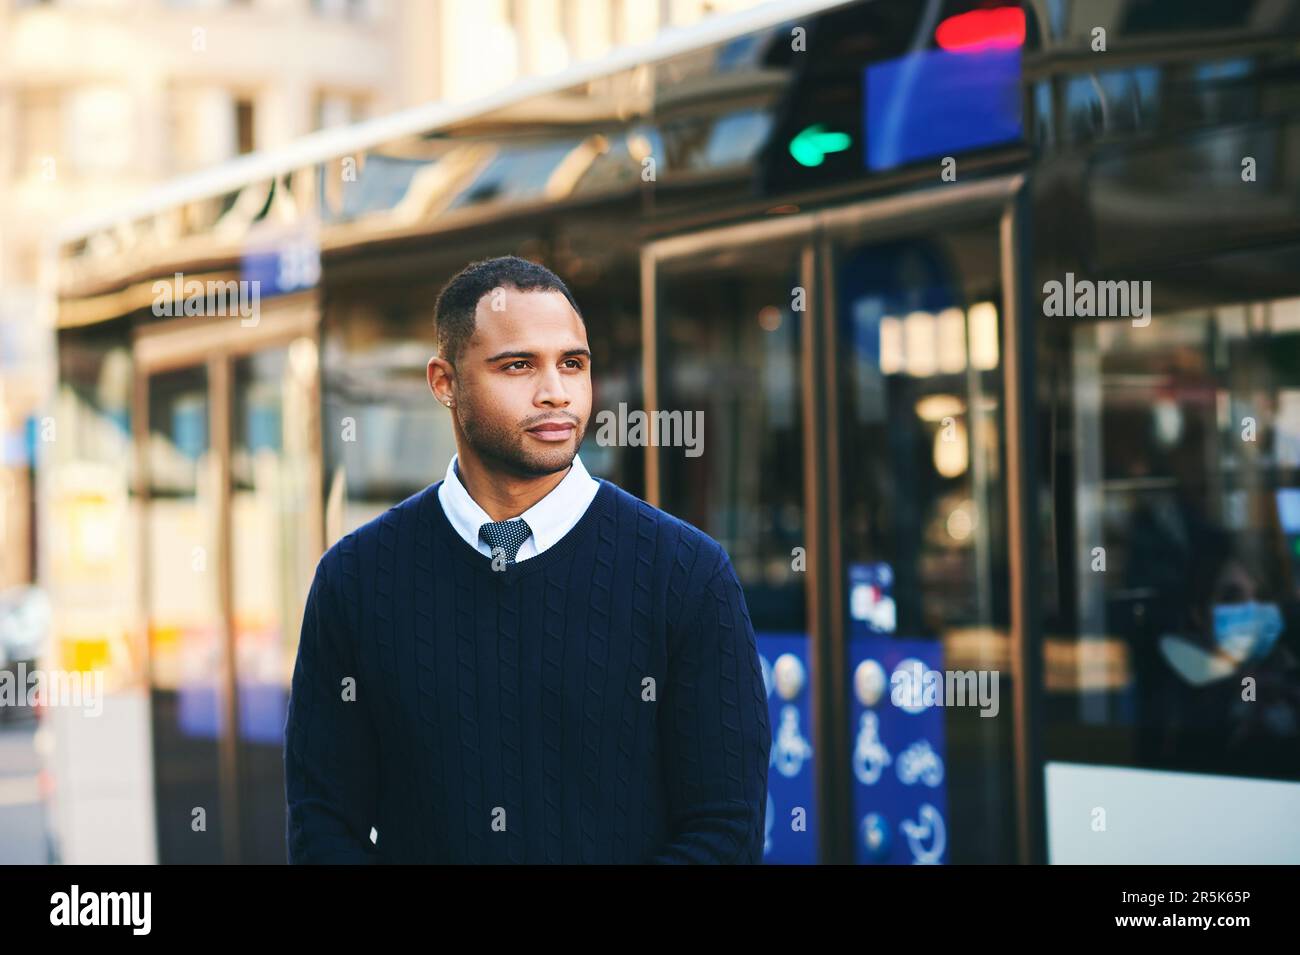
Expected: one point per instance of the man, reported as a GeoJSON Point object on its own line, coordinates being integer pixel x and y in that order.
{"type": "Point", "coordinates": [522, 663]}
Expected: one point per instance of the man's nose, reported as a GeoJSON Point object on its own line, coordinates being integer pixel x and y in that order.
{"type": "Point", "coordinates": [551, 390]}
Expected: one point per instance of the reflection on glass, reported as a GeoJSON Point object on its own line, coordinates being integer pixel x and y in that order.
{"type": "Point", "coordinates": [184, 617]}
{"type": "Point", "coordinates": [731, 359]}
{"type": "Point", "coordinates": [385, 438]}
{"type": "Point", "coordinates": [93, 571]}
{"type": "Point", "coordinates": [271, 541]}
{"type": "Point", "coordinates": [925, 544]}
{"type": "Point", "coordinates": [730, 325]}
{"type": "Point", "coordinates": [1179, 649]}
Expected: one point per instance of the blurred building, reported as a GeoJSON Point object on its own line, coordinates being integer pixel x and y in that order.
{"type": "Point", "coordinates": [101, 99]}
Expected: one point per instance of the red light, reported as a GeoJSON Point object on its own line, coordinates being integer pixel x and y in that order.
{"type": "Point", "coordinates": [1000, 29]}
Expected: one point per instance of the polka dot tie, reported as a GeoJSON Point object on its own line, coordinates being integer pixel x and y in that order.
{"type": "Point", "coordinates": [509, 536]}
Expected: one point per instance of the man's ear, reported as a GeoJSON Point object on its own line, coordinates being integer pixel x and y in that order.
{"type": "Point", "coordinates": [440, 375]}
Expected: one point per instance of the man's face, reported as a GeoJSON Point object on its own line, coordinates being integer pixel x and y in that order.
{"type": "Point", "coordinates": [523, 382]}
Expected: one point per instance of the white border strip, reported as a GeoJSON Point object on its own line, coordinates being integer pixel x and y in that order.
{"type": "Point", "coordinates": [1116, 815]}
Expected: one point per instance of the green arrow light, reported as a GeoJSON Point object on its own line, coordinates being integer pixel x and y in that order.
{"type": "Point", "coordinates": [811, 145]}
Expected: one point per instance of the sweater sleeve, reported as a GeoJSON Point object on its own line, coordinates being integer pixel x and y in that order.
{"type": "Point", "coordinates": [714, 732]}
{"type": "Point", "coordinates": [331, 754]}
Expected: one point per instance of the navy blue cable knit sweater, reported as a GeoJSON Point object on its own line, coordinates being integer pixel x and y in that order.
{"type": "Point", "coordinates": [600, 702]}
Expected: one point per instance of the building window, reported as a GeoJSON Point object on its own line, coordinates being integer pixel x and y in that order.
{"type": "Point", "coordinates": [99, 123]}
{"type": "Point", "coordinates": [617, 26]}
{"type": "Point", "coordinates": [39, 140]}
{"type": "Point", "coordinates": [350, 9]}
{"type": "Point", "coordinates": [244, 125]}
{"type": "Point", "coordinates": [571, 27]}
{"type": "Point", "coordinates": [338, 109]}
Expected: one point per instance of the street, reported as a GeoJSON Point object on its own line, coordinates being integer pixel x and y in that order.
{"type": "Point", "coordinates": [22, 823]}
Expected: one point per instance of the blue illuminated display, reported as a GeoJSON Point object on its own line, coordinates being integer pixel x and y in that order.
{"type": "Point", "coordinates": [898, 754]}
{"type": "Point", "coordinates": [936, 103]}
{"type": "Point", "coordinates": [790, 834]}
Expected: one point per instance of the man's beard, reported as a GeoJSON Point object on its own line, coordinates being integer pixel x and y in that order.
{"type": "Point", "coordinates": [502, 447]}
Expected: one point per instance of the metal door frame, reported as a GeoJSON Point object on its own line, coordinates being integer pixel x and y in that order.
{"type": "Point", "coordinates": [1000, 200]}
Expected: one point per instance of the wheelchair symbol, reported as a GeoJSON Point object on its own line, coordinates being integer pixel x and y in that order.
{"type": "Point", "coordinates": [869, 755]}
{"type": "Point", "coordinates": [791, 748]}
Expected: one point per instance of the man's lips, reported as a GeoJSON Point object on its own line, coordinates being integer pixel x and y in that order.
{"type": "Point", "coordinates": [552, 430]}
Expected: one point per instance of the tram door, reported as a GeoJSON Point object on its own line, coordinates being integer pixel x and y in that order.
{"type": "Point", "coordinates": [729, 345]}
{"type": "Point", "coordinates": [844, 372]}
{"type": "Point", "coordinates": [229, 442]}
{"type": "Point", "coordinates": [919, 560]}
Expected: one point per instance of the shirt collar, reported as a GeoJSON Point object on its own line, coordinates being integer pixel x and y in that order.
{"type": "Point", "coordinates": [549, 519]}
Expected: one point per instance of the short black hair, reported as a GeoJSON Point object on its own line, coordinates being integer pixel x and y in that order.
{"type": "Point", "coordinates": [459, 298]}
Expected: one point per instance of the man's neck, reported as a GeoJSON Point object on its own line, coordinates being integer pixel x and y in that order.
{"type": "Point", "coordinates": [505, 496]}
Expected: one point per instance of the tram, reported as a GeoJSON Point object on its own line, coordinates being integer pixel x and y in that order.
{"type": "Point", "coordinates": [828, 229]}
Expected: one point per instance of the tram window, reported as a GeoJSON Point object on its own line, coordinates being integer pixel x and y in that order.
{"type": "Point", "coordinates": [386, 182]}
{"type": "Point", "coordinates": [93, 575]}
{"type": "Point", "coordinates": [184, 615]}
{"type": "Point", "coordinates": [730, 325]}
{"type": "Point", "coordinates": [385, 438]}
{"type": "Point", "coordinates": [271, 559]}
{"type": "Point", "coordinates": [1178, 536]}
{"type": "Point", "coordinates": [601, 266]}
{"type": "Point", "coordinates": [95, 399]}
{"type": "Point", "coordinates": [515, 173]}
{"type": "Point", "coordinates": [730, 365]}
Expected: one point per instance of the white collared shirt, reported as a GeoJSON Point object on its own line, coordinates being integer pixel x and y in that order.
{"type": "Point", "coordinates": [549, 519]}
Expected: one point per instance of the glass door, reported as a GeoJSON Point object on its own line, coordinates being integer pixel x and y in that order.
{"type": "Point", "coordinates": [847, 368]}
{"type": "Point", "coordinates": [231, 448]}
{"type": "Point", "coordinates": [272, 552]}
{"type": "Point", "coordinates": [731, 324]}
{"type": "Point", "coordinates": [923, 542]}
{"type": "Point", "coordinates": [186, 623]}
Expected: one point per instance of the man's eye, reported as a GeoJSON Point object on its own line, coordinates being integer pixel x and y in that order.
{"type": "Point", "coordinates": [574, 363]}
{"type": "Point", "coordinates": [520, 363]}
